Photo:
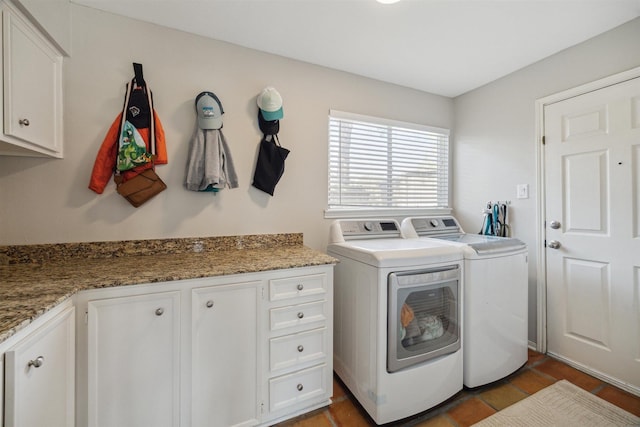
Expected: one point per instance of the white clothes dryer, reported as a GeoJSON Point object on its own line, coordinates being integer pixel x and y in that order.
{"type": "Point", "coordinates": [495, 297]}
{"type": "Point", "coordinates": [397, 318]}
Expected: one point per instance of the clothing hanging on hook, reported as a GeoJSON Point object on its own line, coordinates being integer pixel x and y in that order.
{"type": "Point", "coordinates": [139, 112]}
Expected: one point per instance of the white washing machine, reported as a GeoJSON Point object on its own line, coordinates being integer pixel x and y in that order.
{"type": "Point", "coordinates": [397, 318]}
{"type": "Point", "coordinates": [495, 297]}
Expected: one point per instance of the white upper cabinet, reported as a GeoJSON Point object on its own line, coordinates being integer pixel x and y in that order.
{"type": "Point", "coordinates": [32, 90]}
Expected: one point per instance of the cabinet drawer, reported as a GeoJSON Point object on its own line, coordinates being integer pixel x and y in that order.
{"type": "Point", "coordinates": [299, 286]}
{"type": "Point", "coordinates": [301, 386]}
{"type": "Point", "coordinates": [298, 315]}
{"type": "Point", "coordinates": [297, 349]}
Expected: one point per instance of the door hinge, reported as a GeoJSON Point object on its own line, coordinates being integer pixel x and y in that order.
{"type": "Point", "coordinates": [86, 317]}
{"type": "Point", "coordinates": [543, 140]}
{"type": "Point", "coordinates": [545, 243]}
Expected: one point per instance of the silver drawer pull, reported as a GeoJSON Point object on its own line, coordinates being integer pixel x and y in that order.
{"type": "Point", "coordinates": [300, 387]}
{"type": "Point", "coordinates": [300, 349]}
{"type": "Point", "coordinates": [159, 311]}
{"type": "Point", "coordinates": [37, 362]}
{"type": "Point", "coordinates": [300, 286]}
{"type": "Point", "coordinates": [23, 122]}
{"type": "Point", "coordinates": [300, 315]}
{"type": "Point", "coordinates": [209, 304]}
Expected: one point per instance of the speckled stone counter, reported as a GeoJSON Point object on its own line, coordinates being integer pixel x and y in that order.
{"type": "Point", "coordinates": [35, 278]}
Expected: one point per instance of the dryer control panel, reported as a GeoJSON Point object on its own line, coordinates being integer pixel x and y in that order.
{"type": "Point", "coordinates": [342, 230]}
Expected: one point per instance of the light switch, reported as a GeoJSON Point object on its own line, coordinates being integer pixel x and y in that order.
{"type": "Point", "coordinates": [522, 191]}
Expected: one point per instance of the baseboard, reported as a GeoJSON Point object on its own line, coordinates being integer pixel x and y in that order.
{"type": "Point", "coordinates": [595, 373]}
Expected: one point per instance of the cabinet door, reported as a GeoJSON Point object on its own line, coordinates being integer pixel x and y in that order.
{"type": "Point", "coordinates": [225, 359]}
{"type": "Point", "coordinates": [40, 376]}
{"type": "Point", "coordinates": [32, 86]}
{"type": "Point", "coordinates": [134, 361]}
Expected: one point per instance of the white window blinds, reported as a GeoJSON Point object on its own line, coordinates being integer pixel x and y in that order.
{"type": "Point", "coordinates": [383, 164]}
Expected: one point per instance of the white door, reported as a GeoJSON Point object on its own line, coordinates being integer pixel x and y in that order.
{"type": "Point", "coordinates": [592, 187]}
{"type": "Point", "coordinates": [134, 361]}
{"type": "Point", "coordinates": [32, 78]}
{"type": "Point", "coordinates": [225, 355]}
{"type": "Point", "coordinates": [40, 376]}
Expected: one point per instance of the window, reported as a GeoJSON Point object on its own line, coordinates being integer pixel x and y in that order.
{"type": "Point", "coordinates": [384, 165]}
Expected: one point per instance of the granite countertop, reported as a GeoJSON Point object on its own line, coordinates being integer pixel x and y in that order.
{"type": "Point", "coordinates": [36, 278]}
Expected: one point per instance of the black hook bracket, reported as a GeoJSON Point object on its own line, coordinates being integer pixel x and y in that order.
{"type": "Point", "coordinates": [137, 70]}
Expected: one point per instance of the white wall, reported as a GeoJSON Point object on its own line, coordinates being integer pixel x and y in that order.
{"type": "Point", "coordinates": [494, 143]}
{"type": "Point", "coordinates": [46, 201]}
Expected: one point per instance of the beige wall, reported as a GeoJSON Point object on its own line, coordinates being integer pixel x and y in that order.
{"type": "Point", "coordinates": [45, 201]}
{"type": "Point", "coordinates": [495, 147]}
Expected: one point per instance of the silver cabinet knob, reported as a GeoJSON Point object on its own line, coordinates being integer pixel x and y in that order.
{"type": "Point", "coordinates": [300, 315]}
{"type": "Point", "coordinates": [300, 387]}
{"type": "Point", "coordinates": [37, 362]}
{"type": "Point", "coordinates": [23, 122]}
{"type": "Point", "coordinates": [554, 224]}
{"type": "Point", "coordinates": [300, 286]}
{"type": "Point", "coordinates": [554, 244]}
{"type": "Point", "coordinates": [159, 311]}
{"type": "Point", "coordinates": [300, 349]}
{"type": "Point", "coordinates": [209, 304]}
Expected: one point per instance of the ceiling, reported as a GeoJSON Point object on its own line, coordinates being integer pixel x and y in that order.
{"type": "Point", "coordinates": [445, 47]}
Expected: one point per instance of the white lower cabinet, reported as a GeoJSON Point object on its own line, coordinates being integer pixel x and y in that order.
{"type": "Point", "coordinates": [39, 375]}
{"type": "Point", "coordinates": [134, 361]}
{"type": "Point", "coordinates": [224, 339]}
{"type": "Point", "coordinates": [298, 328]}
{"type": "Point", "coordinates": [239, 350]}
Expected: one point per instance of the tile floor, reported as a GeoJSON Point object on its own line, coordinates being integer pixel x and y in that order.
{"type": "Point", "coordinates": [471, 405]}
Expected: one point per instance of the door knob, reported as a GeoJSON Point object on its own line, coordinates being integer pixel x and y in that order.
{"type": "Point", "coordinates": [554, 244]}
{"type": "Point", "coordinates": [554, 224]}
{"type": "Point", "coordinates": [37, 362]}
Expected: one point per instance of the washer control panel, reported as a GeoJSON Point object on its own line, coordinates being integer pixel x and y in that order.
{"type": "Point", "coordinates": [435, 225]}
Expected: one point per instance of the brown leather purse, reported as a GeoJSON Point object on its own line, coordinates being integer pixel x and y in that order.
{"type": "Point", "coordinates": [141, 187]}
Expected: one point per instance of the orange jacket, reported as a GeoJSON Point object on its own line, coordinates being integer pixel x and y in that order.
{"type": "Point", "coordinates": [105, 163]}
